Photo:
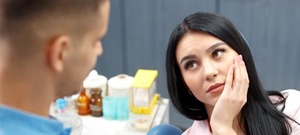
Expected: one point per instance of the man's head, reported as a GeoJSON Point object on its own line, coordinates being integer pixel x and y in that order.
{"type": "Point", "coordinates": [54, 39]}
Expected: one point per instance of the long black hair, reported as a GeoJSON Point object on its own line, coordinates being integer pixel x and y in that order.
{"type": "Point", "coordinates": [258, 116]}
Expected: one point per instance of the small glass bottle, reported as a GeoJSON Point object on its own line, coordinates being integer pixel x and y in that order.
{"type": "Point", "coordinates": [83, 102]}
{"type": "Point", "coordinates": [96, 102]}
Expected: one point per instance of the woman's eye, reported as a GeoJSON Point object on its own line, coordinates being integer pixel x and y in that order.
{"type": "Point", "coordinates": [218, 52]}
{"type": "Point", "coordinates": [190, 65]}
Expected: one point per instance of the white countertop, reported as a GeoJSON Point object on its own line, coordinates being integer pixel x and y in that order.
{"type": "Point", "coordinates": [99, 125]}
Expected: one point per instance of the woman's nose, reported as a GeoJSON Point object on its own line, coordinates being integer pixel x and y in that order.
{"type": "Point", "coordinates": [210, 71]}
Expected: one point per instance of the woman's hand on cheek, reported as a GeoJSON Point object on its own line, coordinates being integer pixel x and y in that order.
{"type": "Point", "coordinates": [232, 99]}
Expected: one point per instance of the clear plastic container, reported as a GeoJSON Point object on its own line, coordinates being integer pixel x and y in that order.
{"type": "Point", "coordinates": [71, 121]}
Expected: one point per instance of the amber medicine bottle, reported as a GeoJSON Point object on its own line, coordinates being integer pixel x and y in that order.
{"type": "Point", "coordinates": [83, 104]}
{"type": "Point", "coordinates": [96, 102]}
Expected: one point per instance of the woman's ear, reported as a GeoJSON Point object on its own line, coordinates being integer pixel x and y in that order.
{"type": "Point", "coordinates": [57, 50]}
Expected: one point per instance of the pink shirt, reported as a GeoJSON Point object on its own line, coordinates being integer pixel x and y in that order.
{"type": "Point", "coordinates": [292, 106]}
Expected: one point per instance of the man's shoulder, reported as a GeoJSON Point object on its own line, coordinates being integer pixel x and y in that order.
{"type": "Point", "coordinates": [16, 122]}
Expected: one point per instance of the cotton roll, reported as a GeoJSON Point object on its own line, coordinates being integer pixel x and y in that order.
{"type": "Point", "coordinates": [120, 85]}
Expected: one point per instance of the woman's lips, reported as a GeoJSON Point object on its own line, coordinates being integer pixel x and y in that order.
{"type": "Point", "coordinates": [215, 88]}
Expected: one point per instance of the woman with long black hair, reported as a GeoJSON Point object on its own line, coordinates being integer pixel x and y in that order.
{"type": "Point", "coordinates": [212, 79]}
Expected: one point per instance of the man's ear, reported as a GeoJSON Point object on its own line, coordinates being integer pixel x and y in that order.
{"type": "Point", "coordinates": [57, 52]}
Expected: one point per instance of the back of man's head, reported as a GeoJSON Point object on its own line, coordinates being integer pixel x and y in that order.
{"type": "Point", "coordinates": [26, 24]}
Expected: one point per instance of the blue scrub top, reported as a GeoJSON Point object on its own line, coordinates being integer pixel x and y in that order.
{"type": "Point", "coordinates": [15, 122]}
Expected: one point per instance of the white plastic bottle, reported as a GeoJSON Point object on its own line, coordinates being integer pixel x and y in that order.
{"type": "Point", "coordinates": [94, 80]}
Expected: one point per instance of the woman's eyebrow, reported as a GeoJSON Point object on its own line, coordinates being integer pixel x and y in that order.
{"type": "Point", "coordinates": [208, 50]}
{"type": "Point", "coordinates": [187, 57]}
{"type": "Point", "coordinates": [215, 46]}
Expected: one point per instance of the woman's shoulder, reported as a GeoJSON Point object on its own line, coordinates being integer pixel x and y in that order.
{"type": "Point", "coordinates": [292, 107]}
{"type": "Point", "coordinates": [291, 93]}
{"type": "Point", "coordinates": [198, 127]}
{"type": "Point", "coordinates": [288, 94]}
{"type": "Point", "coordinates": [292, 103]}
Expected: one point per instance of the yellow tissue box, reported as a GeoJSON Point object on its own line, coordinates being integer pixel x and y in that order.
{"type": "Point", "coordinates": [144, 88]}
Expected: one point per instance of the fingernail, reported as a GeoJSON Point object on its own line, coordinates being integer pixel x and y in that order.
{"type": "Point", "coordinates": [241, 57]}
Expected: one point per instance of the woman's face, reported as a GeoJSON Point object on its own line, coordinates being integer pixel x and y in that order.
{"type": "Point", "coordinates": [204, 61]}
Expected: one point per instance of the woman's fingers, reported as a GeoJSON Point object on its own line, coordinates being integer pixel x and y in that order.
{"type": "Point", "coordinates": [240, 82]}
{"type": "Point", "coordinates": [245, 79]}
{"type": "Point", "coordinates": [237, 82]}
{"type": "Point", "coordinates": [229, 79]}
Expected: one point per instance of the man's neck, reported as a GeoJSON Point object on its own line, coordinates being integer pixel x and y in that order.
{"type": "Point", "coordinates": [25, 93]}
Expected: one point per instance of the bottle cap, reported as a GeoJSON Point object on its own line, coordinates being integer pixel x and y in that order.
{"type": "Point", "coordinates": [94, 80]}
{"type": "Point", "coordinates": [60, 104]}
